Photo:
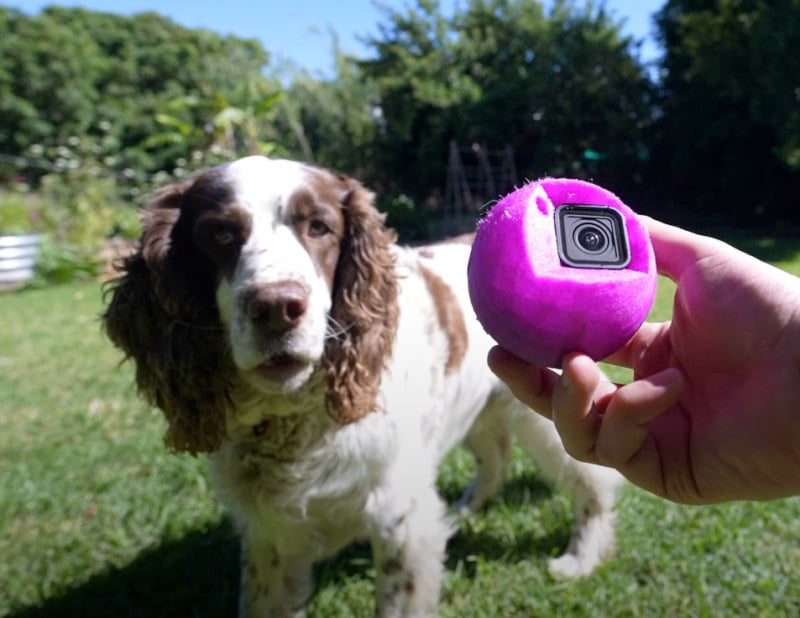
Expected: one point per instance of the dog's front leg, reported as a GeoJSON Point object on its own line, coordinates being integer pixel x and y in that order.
{"type": "Point", "coordinates": [271, 584]}
{"type": "Point", "coordinates": [409, 532]}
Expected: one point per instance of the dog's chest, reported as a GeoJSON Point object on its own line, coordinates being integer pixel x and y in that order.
{"type": "Point", "coordinates": [320, 484]}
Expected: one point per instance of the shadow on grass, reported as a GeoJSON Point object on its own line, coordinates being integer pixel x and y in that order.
{"type": "Point", "coordinates": [767, 248]}
{"type": "Point", "coordinates": [527, 491]}
{"type": "Point", "coordinates": [198, 575]}
{"type": "Point", "coordinates": [769, 245]}
{"type": "Point", "coordinates": [194, 576]}
{"type": "Point", "coordinates": [524, 489]}
{"type": "Point", "coordinates": [468, 541]}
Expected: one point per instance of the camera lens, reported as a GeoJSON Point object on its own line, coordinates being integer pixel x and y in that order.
{"type": "Point", "coordinates": [590, 238]}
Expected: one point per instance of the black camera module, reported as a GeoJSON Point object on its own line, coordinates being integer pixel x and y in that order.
{"type": "Point", "coordinates": [592, 236]}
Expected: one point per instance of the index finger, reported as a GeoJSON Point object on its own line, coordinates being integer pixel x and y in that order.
{"type": "Point", "coordinates": [676, 249]}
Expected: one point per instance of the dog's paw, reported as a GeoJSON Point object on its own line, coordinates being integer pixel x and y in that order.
{"type": "Point", "coordinates": [569, 566]}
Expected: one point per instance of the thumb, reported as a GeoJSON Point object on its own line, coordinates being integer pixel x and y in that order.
{"type": "Point", "coordinates": [677, 249]}
{"type": "Point", "coordinates": [531, 384]}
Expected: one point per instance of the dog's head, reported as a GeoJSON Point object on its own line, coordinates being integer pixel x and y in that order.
{"type": "Point", "coordinates": [260, 271]}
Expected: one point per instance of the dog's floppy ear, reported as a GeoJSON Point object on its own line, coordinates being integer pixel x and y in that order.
{"type": "Point", "coordinates": [161, 313]}
{"type": "Point", "coordinates": [364, 306]}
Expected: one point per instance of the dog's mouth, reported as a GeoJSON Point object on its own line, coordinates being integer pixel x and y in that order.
{"type": "Point", "coordinates": [282, 366]}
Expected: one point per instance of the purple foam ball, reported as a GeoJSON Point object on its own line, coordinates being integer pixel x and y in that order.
{"type": "Point", "coordinates": [540, 309]}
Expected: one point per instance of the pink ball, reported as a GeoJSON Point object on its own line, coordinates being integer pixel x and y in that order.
{"type": "Point", "coordinates": [540, 309]}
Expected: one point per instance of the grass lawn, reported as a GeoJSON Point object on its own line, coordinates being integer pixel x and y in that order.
{"type": "Point", "coordinates": [97, 519]}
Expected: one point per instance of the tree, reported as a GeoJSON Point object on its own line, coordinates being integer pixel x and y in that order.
{"type": "Point", "coordinates": [333, 122]}
{"type": "Point", "coordinates": [73, 73]}
{"type": "Point", "coordinates": [556, 87]}
{"type": "Point", "coordinates": [565, 90]}
{"type": "Point", "coordinates": [217, 129]}
{"type": "Point", "coordinates": [729, 139]}
{"type": "Point", "coordinates": [420, 86]}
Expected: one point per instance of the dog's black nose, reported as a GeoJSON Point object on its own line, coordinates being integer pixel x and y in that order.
{"type": "Point", "coordinates": [277, 307]}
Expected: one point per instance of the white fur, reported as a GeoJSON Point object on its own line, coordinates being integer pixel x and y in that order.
{"type": "Point", "coordinates": [309, 487]}
{"type": "Point", "coordinates": [272, 254]}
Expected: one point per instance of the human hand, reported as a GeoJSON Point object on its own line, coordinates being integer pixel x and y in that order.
{"type": "Point", "coordinates": [713, 413]}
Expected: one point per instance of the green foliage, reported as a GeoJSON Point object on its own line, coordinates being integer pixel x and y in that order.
{"type": "Point", "coordinates": [502, 72]}
{"type": "Point", "coordinates": [419, 87]}
{"type": "Point", "coordinates": [79, 209]}
{"type": "Point", "coordinates": [72, 72]}
{"type": "Point", "coordinates": [332, 122]}
{"type": "Point", "coordinates": [720, 135]}
{"type": "Point", "coordinates": [231, 127]}
{"type": "Point", "coordinates": [76, 208]}
{"type": "Point", "coordinates": [62, 262]}
{"type": "Point", "coordinates": [19, 212]}
{"type": "Point", "coordinates": [571, 85]}
{"type": "Point", "coordinates": [127, 223]}
{"type": "Point", "coordinates": [70, 230]}
{"type": "Point", "coordinates": [729, 139]}
{"type": "Point", "coordinates": [412, 223]}
{"type": "Point", "coordinates": [102, 108]}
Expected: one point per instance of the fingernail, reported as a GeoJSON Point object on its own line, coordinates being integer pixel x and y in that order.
{"type": "Point", "coordinates": [565, 381]}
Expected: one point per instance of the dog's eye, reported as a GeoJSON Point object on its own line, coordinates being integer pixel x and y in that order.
{"type": "Point", "coordinates": [317, 228]}
{"type": "Point", "coordinates": [223, 236]}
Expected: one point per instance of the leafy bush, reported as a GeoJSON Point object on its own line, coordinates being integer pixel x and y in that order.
{"type": "Point", "coordinates": [19, 212]}
{"type": "Point", "coordinates": [411, 223]}
{"type": "Point", "coordinates": [61, 262]}
{"type": "Point", "coordinates": [79, 207]}
{"type": "Point", "coordinates": [76, 207]}
{"type": "Point", "coordinates": [126, 222]}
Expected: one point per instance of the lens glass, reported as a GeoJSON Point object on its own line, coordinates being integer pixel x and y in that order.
{"type": "Point", "coordinates": [591, 236]}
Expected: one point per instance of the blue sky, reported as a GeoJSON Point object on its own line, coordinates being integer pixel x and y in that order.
{"type": "Point", "coordinates": [299, 30]}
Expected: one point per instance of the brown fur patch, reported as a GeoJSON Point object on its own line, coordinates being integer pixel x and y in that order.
{"type": "Point", "coordinates": [365, 307]}
{"type": "Point", "coordinates": [320, 204]}
{"type": "Point", "coordinates": [162, 311]}
{"type": "Point", "coordinates": [451, 318]}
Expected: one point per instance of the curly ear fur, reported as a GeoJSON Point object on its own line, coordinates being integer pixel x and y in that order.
{"type": "Point", "coordinates": [162, 314]}
{"type": "Point", "coordinates": [365, 306]}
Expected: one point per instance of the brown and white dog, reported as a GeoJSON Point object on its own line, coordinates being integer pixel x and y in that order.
{"type": "Point", "coordinates": [327, 372]}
